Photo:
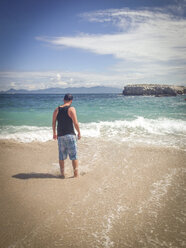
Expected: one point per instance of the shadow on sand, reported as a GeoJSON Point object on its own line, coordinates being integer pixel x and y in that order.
{"type": "Point", "coordinates": [36, 175]}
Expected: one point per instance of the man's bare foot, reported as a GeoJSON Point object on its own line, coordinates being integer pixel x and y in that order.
{"type": "Point", "coordinates": [62, 176]}
{"type": "Point", "coordinates": [76, 174]}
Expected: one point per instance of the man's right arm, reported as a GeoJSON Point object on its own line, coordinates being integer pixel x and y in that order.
{"type": "Point", "coordinates": [54, 123]}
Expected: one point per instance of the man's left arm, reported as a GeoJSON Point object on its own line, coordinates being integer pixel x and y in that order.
{"type": "Point", "coordinates": [73, 116]}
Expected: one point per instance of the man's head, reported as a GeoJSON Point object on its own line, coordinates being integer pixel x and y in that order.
{"type": "Point", "coordinates": [68, 98]}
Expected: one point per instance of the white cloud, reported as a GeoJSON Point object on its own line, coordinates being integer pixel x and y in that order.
{"type": "Point", "coordinates": [144, 37]}
{"type": "Point", "coordinates": [58, 76]}
{"type": "Point", "coordinates": [12, 84]}
{"type": "Point", "coordinates": [117, 77]}
{"type": "Point", "coordinates": [148, 44]}
{"type": "Point", "coordinates": [52, 79]}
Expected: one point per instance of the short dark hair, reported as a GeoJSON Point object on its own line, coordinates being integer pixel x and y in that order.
{"type": "Point", "coordinates": [68, 97]}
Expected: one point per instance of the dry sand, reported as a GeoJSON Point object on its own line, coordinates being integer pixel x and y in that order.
{"type": "Point", "coordinates": [124, 197]}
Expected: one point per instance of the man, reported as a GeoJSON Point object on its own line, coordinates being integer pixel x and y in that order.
{"type": "Point", "coordinates": [65, 115]}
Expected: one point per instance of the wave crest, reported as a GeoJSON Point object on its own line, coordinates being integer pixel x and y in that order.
{"type": "Point", "coordinates": [169, 132]}
{"type": "Point", "coordinates": [137, 126]}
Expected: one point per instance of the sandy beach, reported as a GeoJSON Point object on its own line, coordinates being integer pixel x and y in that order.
{"type": "Point", "coordinates": [126, 197]}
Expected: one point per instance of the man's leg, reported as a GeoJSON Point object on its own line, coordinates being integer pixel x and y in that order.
{"type": "Point", "coordinates": [62, 167]}
{"type": "Point", "coordinates": [75, 167]}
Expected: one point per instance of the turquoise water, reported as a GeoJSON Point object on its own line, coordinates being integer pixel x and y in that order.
{"type": "Point", "coordinates": [159, 120]}
{"type": "Point", "coordinates": [36, 110]}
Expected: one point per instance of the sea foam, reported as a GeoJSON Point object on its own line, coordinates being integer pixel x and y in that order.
{"type": "Point", "coordinates": [151, 131]}
{"type": "Point", "coordinates": [26, 134]}
{"type": "Point", "coordinates": [139, 125]}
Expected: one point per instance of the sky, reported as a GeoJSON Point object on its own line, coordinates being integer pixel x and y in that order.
{"type": "Point", "coordinates": [74, 43]}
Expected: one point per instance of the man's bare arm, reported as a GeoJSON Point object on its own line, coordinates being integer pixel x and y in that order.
{"type": "Point", "coordinates": [73, 116]}
{"type": "Point", "coordinates": [54, 123]}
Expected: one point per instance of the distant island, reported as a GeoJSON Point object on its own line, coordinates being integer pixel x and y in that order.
{"type": "Point", "coordinates": [153, 90]}
{"type": "Point", "coordinates": [72, 90]}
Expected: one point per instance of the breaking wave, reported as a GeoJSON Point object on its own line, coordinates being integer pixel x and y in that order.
{"type": "Point", "coordinates": [161, 131]}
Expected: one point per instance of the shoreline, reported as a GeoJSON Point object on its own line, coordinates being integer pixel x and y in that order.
{"type": "Point", "coordinates": [122, 193]}
{"type": "Point", "coordinates": [93, 140]}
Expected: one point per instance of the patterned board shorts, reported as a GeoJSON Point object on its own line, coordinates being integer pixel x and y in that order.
{"type": "Point", "coordinates": [67, 145]}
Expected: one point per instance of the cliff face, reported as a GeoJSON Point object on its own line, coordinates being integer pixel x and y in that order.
{"type": "Point", "coordinates": [153, 90]}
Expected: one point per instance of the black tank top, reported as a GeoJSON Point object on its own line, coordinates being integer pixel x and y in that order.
{"type": "Point", "coordinates": [64, 122]}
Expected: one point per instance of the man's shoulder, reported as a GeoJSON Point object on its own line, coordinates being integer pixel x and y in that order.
{"type": "Point", "coordinates": [56, 109]}
{"type": "Point", "coordinates": [71, 109]}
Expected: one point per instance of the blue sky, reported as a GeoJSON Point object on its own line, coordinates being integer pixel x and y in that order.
{"type": "Point", "coordinates": [72, 43]}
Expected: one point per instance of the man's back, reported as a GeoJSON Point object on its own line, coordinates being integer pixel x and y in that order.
{"type": "Point", "coordinates": [65, 123]}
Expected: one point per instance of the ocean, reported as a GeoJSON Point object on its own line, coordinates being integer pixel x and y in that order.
{"type": "Point", "coordinates": [131, 190]}
{"type": "Point", "coordinates": [157, 121]}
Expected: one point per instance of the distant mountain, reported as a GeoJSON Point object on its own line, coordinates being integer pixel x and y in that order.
{"type": "Point", "coordinates": [72, 90]}
{"type": "Point", "coordinates": [13, 91]}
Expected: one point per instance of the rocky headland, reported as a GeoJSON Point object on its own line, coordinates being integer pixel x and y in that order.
{"type": "Point", "coordinates": [153, 90]}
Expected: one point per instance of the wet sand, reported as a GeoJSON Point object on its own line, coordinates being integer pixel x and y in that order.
{"type": "Point", "coordinates": [126, 196]}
